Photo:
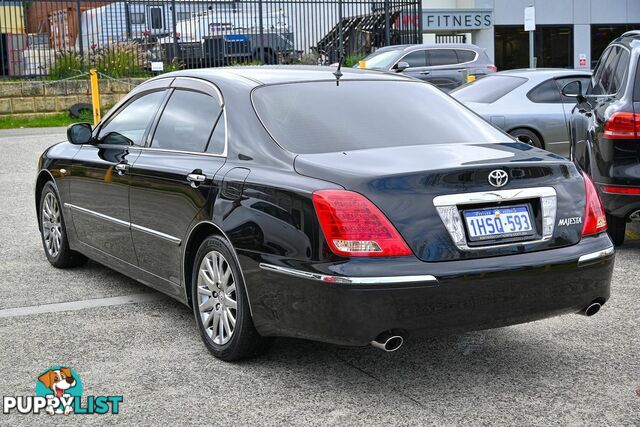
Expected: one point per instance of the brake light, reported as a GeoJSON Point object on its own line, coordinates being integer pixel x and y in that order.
{"type": "Point", "coordinates": [620, 190]}
{"type": "Point", "coordinates": [354, 226]}
{"type": "Point", "coordinates": [622, 126]}
{"type": "Point", "coordinates": [492, 68]}
{"type": "Point", "coordinates": [595, 220]}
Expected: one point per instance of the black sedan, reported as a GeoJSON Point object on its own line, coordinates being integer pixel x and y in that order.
{"type": "Point", "coordinates": [351, 209]}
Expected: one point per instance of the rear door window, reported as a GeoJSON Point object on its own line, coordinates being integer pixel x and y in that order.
{"type": "Point", "coordinates": [187, 122]}
{"type": "Point", "coordinates": [437, 57]}
{"type": "Point", "coordinates": [545, 93]}
{"type": "Point", "coordinates": [465, 55]}
{"type": "Point", "coordinates": [488, 89]}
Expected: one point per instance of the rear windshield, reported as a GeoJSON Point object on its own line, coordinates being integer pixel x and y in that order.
{"type": "Point", "coordinates": [488, 89]}
{"type": "Point", "coordinates": [320, 117]}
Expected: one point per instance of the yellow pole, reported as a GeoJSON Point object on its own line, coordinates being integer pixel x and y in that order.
{"type": "Point", "coordinates": [95, 96]}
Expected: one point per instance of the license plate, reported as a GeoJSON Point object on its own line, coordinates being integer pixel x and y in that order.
{"type": "Point", "coordinates": [498, 223]}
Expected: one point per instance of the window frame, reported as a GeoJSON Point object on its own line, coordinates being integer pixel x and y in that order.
{"type": "Point", "coordinates": [195, 85]}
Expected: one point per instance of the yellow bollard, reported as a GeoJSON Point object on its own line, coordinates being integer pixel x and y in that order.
{"type": "Point", "coordinates": [95, 96]}
{"type": "Point", "coordinates": [471, 78]}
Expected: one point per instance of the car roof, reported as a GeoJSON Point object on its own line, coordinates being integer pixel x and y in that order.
{"type": "Point", "coordinates": [630, 39]}
{"type": "Point", "coordinates": [273, 74]}
{"type": "Point", "coordinates": [411, 47]}
{"type": "Point", "coordinates": [542, 73]}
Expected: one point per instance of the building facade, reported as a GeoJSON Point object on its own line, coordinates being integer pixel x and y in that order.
{"type": "Point", "coordinates": [569, 33]}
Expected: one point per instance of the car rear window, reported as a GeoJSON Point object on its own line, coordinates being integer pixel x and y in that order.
{"type": "Point", "coordinates": [321, 117]}
{"type": "Point", "coordinates": [488, 89]}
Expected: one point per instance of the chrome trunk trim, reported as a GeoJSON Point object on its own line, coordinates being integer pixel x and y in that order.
{"type": "Point", "coordinates": [596, 255]}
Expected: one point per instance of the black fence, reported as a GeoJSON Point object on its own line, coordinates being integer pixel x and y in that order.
{"type": "Point", "coordinates": [60, 39]}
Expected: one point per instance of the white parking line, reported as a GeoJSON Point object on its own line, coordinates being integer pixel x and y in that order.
{"type": "Point", "coordinates": [80, 305]}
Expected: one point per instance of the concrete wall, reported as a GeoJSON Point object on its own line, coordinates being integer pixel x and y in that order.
{"type": "Point", "coordinates": [46, 97]}
{"type": "Point", "coordinates": [580, 13]}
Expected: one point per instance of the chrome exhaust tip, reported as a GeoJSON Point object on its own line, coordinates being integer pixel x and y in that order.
{"type": "Point", "coordinates": [388, 342]}
{"type": "Point", "coordinates": [591, 310]}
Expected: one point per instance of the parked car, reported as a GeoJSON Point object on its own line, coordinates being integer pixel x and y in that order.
{"type": "Point", "coordinates": [527, 104]}
{"type": "Point", "coordinates": [444, 65]}
{"type": "Point", "coordinates": [411, 225]}
{"type": "Point", "coordinates": [605, 131]}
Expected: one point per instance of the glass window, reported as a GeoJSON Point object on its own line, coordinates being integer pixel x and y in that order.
{"type": "Point", "coordinates": [604, 73]}
{"type": "Point", "coordinates": [617, 82]}
{"type": "Point", "coordinates": [137, 18]}
{"type": "Point", "coordinates": [129, 125]}
{"type": "Point", "coordinates": [545, 93]}
{"type": "Point", "coordinates": [156, 18]}
{"type": "Point", "coordinates": [465, 55]}
{"type": "Point", "coordinates": [382, 60]}
{"type": "Point", "coordinates": [182, 16]}
{"type": "Point", "coordinates": [488, 89]}
{"type": "Point", "coordinates": [603, 35]}
{"type": "Point", "coordinates": [566, 80]}
{"type": "Point", "coordinates": [553, 47]}
{"type": "Point", "coordinates": [320, 117]}
{"type": "Point", "coordinates": [187, 122]}
{"type": "Point", "coordinates": [218, 139]}
{"type": "Point", "coordinates": [416, 59]}
{"type": "Point", "coordinates": [442, 57]}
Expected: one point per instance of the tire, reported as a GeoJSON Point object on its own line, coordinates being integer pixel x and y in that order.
{"type": "Point", "coordinates": [53, 231]}
{"type": "Point", "coordinates": [527, 136]}
{"type": "Point", "coordinates": [226, 340]}
{"type": "Point", "coordinates": [616, 228]}
{"type": "Point", "coordinates": [76, 109]}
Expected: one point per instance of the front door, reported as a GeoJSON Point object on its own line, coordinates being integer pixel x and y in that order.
{"type": "Point", "coordinates": [172, 181]}
{"type": "Point", "coordinates": [99, 183]}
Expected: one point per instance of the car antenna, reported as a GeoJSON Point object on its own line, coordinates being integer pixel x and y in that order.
{"type": "Point", "coordinates": [338, 72]}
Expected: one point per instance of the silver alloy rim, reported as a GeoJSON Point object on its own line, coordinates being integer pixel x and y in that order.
{"type": "Point", "coordinates": [51, 225]}
{"type": "Point", "coordinates": [217, 299]}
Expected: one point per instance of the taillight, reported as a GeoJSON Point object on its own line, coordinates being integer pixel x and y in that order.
{"type": "Point", "coordinates": [353, 226]}
{"type": "Point", "coordinates": [595, 220]}
{"type": "Point", "coordinates": [622, 126]}
{"type": "Point", "coordinates": [492, 68]}
{"type": "Point", "coordinates": [621, 190]}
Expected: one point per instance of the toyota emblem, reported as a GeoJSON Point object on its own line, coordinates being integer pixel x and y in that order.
{"type": "Point", "coordinates": [498, 178]}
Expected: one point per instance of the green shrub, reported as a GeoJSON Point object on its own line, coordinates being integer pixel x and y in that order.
{"type": "Point", "coordinates": [67, 64]}
{"type": "Point", "coordinates": [351, 60]}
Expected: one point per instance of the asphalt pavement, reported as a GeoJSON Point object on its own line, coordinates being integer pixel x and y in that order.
{"type": "Point", "coordinates": [125, 339]}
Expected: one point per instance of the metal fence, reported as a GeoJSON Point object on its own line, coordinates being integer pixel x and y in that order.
{"type": "Point", "coordinates": [58, 39]}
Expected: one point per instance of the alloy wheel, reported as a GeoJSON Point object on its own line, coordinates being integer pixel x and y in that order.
{"type": "Point", "coordinates": [51, 225]}
{"type": "Point", "coordinates": [217, 297]}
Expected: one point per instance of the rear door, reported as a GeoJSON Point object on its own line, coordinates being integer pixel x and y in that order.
{"type": "Point", "coordinates": [417, 61]}
{"type": "Point", "coordinates": [445, 70]}
{"type": "Point", "coordinates": [568, 104]}
{"type": "Point", "coordinates": [172, 179]}
{"type": "Point", "coordinates": [547, 113]}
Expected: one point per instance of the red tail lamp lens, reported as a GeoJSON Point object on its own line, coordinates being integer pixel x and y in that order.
{"type": "Point", "coordinates": [355, 227]}
{"type": "Point", "coordinates": [595, 220]}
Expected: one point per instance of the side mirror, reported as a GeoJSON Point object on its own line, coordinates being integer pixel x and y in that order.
{"type": "Point", "coordinates": [574, 90]}
{"type": "Point", "coordinates": [79, 133]}
{"type": "Point", "coordinates": [401, 66]}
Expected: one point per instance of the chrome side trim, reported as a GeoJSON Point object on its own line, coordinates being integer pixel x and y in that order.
{"type": "Point", "coordinates": [348, 280]}
{"type": "Point", "coordinates": [448, 208]}
{"type": "Point", "coordinates": [155, 233]}
{"type": "Point", "coordinates": [129, 225]}
{"type": "Point", "coordinates": [596, 255]}
{"type": "Point", "coordinates": [98, 215]}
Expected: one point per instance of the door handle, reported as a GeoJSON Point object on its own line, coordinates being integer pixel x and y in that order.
{"type": "Point", "coordinates": [425, 73]}
{"type": "Point", "coordinates": [122, 168]}
{"type": "Point", "coordinates": [196, 179]}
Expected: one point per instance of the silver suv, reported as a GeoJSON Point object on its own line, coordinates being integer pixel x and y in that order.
{"type": "Point", "coordinates": [444, 65]}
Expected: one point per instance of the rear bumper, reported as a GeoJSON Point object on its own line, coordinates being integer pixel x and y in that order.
{"type": "Point", "coordinates": [343, 303]}
{"type": "Point", "coordinates": [620, 205]}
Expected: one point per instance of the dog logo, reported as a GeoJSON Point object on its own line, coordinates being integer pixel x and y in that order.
{"type": "Point", "coordinates": [498, 178]}
{"type": "Point", "coordinates": [61, 383]}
